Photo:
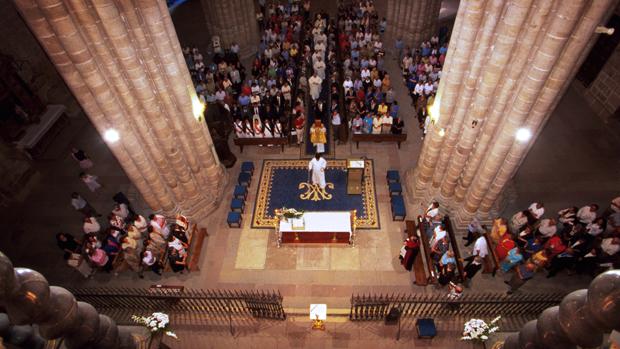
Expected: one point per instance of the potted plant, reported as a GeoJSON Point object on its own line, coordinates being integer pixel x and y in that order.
{"type": "Point", "coordinates": [157, 323]}
{"type": "Point", "coordinates": [478, 330]}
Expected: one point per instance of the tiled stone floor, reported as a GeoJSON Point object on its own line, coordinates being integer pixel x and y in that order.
{"type": "Point", "coordinates": [575, 141]}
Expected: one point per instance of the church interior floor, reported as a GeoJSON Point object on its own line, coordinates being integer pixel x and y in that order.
{"type": "Point", "coordinates": [249, 259]}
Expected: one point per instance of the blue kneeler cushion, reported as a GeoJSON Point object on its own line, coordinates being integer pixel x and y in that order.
{"type": "Point", "coordinates": [284, 183]}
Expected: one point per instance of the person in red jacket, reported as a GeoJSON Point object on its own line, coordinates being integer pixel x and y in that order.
{"type": "Point", "coordinates": [410, 249]}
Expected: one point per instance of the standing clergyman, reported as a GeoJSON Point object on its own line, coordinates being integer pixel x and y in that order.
{"type": "Point", "coordinates": [317, 166]}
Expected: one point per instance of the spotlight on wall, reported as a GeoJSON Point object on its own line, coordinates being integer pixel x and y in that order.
{"type": "Point", "coordinates": [442, 132]}
{"type": "Point", "coordinates": [523, 135]}
{"type": "Point", "coordinates": [198, 108]}
{"type": "Point", "coordinates": [433, 109]}
{"type": "Point", "coordinates": [111, 135]}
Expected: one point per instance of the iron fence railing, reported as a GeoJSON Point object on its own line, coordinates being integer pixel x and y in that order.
{"type": "Point", "coordinates": [376, 307]}
{"type": "Point", "coordinates": [258, 304]}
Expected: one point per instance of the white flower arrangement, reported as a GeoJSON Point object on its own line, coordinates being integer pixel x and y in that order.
{"type": "Point", "coordinates": [291, 213]}
{"type": "Point", "coordinates": [156, 322]}
{"type": "Point", "coordinates": [479, 330]}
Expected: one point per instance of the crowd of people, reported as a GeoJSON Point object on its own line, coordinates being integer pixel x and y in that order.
{"type": "Point", "coordinates": [368, 92]}
{"type": "Point", "coordinates": [125, 238]}
{"type": "Point", "coordinates": [320, 59]}
{"type": "Point", "coordinates": [422, 70]}
{"type": "Point", "coordinates": [259, 106]}
{"type": "Point", "coordinates": [580, 240]}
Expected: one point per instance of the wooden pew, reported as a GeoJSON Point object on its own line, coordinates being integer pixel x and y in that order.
{"type": "Point", "coordinates": [491, 261]}
{"type": "Point", "coordinates": [195, 247]}
{"type": "Point", "coordinates": [419, 270]}
{"type": "Point", "coordinates": [454, 246]}
{"type": "Point", "coordinates": [241, 142]}
{"type": "Point", "coordinates": [384, 137]}
{"type": "Point", "coordinates": [195, 240]}
{"type": "Point", "coordinates": [425, 251]}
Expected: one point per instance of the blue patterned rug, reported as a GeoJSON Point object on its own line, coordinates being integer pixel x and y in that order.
{"type": "Point", "coordinates": [284, 183]}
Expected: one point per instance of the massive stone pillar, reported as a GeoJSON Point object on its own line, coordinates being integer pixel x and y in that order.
{"type": "Point", "coordinates": [508, 65]}
{"type": "Point", "coordinates": [123, 62]}
{"type": "Point", "coordinates": [412, 20]}
{"type": "Point", "coordinates": [233, 21]}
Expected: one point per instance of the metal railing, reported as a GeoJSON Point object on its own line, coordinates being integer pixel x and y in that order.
{"type": "Point", "coordinates": [257, 304]}
{"type": "Point", "coordinates": [376, 307]}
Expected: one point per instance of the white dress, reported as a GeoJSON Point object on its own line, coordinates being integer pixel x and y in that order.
{"type": "Point", "coordinates": [318, 171]}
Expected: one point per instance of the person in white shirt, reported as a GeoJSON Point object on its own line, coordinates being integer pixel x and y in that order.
{"type": "Point", "coordinates": [140, 223]}
{"type": "Point", "coordinates": [91, 225]}
{"type": "Point", "coordinates": [432, 211]}
{"type": "Point", "coordinates": [611, 246]}
{"type": "Point", "coordinates": [365, 73]}
{"type": "Point", "coordinates": [547, 227]}
{"type": "Point", "coordinates": [595, 228]}
{"type": "Point", "coordinates": [121, 210]}
{"type": "Point", "coordinates": [386, 123]}
{"type": "Point", "coordinates": [536, 209]}
{"type": "Point", "coordinates": [481, 248]}
{"type": "Point", "coordinates": [418, 90]}
{"type": "Point", "coordinates": [587, 214]}
{"type": "Point", "coordinates": [438, 233]}
{"type": "Point", "coordinates": [336, 122]}
{"type": "Point", "coordinates": [149, 260]}
{"type": "Point", "coordinates": [428, 89]}
{"type": "Point", "coordinates": [81, 205]}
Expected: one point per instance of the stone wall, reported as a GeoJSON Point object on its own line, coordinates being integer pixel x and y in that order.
{"type": "Point", "coordinates": [35, 67]}
{"type": "Point", "coordinates": [603, 95]}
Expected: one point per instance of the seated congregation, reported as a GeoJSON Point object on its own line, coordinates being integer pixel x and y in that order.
{"type": "Point", "coordinates": [127, 240]}
{"type": "Point", "coordinates": [369, 97]}
{"type": "Point", "coordinates": [582, 241]}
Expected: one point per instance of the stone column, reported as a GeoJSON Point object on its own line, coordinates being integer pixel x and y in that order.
{"type": "Point", "coordinates": [412, 20]}
{"type": "Point", "coordinates": [233, 21]}
{"type": "Point", "coordinates": [509, 63]}
{"type": "Point", "coordinates": [122, 61]}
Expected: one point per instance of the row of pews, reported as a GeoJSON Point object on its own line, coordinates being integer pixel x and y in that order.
{"type": "Point", "coordinates": [426, 270]}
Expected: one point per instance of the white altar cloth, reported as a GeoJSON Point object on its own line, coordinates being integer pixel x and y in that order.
{"type": "Point", "coordinates": [322, 222]}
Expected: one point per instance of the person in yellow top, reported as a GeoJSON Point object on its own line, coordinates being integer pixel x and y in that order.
{"type": "Point", "coordinates": [499, 229]}
{"type": "Point", "coordinates": [382, 109]}
{"type": "Point", "coordinates": [318, 136]}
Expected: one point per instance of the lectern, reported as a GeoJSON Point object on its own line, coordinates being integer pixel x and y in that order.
{"type": "Point", "coordinates": [355, 176]}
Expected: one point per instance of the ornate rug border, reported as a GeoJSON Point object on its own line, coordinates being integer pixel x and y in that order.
{"type": "Point", "coordinates": [259, 221]}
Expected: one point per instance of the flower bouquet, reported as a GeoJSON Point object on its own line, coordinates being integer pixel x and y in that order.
{"type": "Point", "coordinates": [291, 213]}
{"type": "Point", "coordinates": [479, 330]}
{"type": "Point", "coordinates": [156, 322]}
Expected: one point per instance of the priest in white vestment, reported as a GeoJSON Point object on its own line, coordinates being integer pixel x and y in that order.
{"type": "Point", "coordinates": [315, 86]}
{"type": "Point", "coordinates": [317, 167]}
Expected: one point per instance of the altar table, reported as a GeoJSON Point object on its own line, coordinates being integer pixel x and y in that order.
{"type": "Point", "coordinates": [319, 227]}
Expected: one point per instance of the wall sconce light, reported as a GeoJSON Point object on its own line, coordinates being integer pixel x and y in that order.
{"type": "Point", "coordinates": [523, 135]}
{"type": "Point", "coordinates": [198, 107]}
{"type": "Point", "coordinates": [111, 135]}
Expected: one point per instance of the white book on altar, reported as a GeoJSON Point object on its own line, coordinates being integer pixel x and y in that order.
{"type": "Point", "coordinates": [298, 223]}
